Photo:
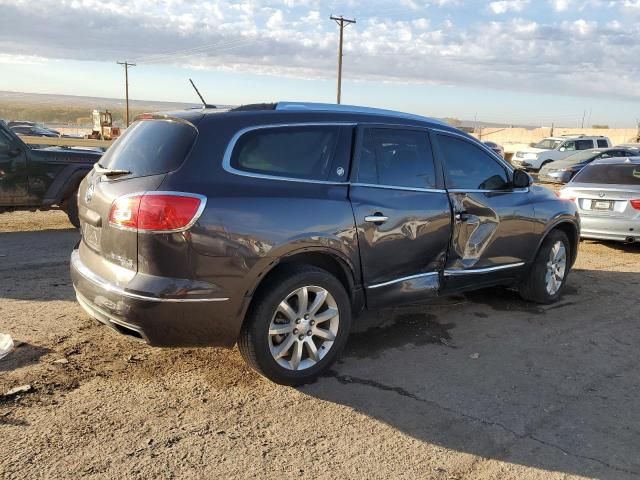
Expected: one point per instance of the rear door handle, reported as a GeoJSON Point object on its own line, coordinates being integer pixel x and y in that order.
{"type": "Point", "coordinates": [377, 218]}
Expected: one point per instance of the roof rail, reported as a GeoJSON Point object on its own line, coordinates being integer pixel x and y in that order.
{"type": "Point", "coordinates": [332, 107]}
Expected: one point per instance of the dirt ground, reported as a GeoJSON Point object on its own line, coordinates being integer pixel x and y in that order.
{"type": "Point", "coordinates": [482, 386]}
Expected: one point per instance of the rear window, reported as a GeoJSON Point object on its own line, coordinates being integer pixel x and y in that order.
{"type": "Point", "coordinates": [610, 174]}
{"type": "Point", "coordinates": [300, 152]}
{"type": "Point", "coordinates": [602, 144]}
{"type": "Point", "coordinates": [150, 147]}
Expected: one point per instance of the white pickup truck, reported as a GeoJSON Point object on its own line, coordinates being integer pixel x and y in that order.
{"type": "Point", "coordinates": [556, 148]}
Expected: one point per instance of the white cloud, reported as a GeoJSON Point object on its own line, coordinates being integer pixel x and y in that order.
{"type": "Point", "coordinates": [570, 55]}
{"type": "Point", "coordinates": [504, 6]}
{"type": "Point", "coordinates": [560, 5]}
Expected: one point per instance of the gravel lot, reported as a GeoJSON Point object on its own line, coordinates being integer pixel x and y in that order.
{"type": "Point", "coordinates": [482, 386]}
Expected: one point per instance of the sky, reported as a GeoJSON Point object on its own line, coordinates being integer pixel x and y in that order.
{"type": "Point", "coordinates": [528, 62]}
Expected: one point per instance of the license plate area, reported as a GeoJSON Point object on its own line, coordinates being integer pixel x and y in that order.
{"type": "Point", "coordinates": [91, 236]}
{"type": "Point", "coordinates": [601, 205]}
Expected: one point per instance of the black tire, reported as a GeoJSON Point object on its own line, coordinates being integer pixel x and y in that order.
{"type": "Point", "coordinates": [534, 286]}
{"type": "Point", "coordinates": [72, 209]}
{"type": "Point", "coordinates": [255, 342]}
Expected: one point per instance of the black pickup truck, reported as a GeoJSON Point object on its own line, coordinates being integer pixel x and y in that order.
{"type": "Point", "coordinates": [41, 178]}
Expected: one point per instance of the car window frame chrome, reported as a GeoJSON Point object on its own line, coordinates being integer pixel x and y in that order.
{"type": "Point", "coordinates": [228, 153]}
{"type": "Point", "coordinates": [355, 159]}
{"type": "Point", "coordinates": [510, 169]}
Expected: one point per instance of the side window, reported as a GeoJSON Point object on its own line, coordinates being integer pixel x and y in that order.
{"type": "Point", "coordinates": [602, 143]}
{"type": "Point", "coordinates": [468, 167]}
{"type": "Point", "coordinates": [569, 146]}
{"type": "Point", "coordinates": [304, 152]}
{"type": "Point", "coordinates": [584, 144]}
{"type": "Point", "coordinates": [398, 158]}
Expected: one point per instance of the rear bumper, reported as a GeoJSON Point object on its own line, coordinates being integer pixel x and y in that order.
{"type": "Point", "coordinates": [616, 229]}
{"type": "Point", "coordinates": [147, 315]}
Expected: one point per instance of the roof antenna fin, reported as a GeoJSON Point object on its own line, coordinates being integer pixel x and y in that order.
{"type": "Point", "coordinates": [204, 104]}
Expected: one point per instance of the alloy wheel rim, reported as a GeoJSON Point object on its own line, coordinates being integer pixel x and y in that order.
{"type": "Point", "coordinates": [303, 328]}
{"type": "Point", "coordinates": [556, 267]}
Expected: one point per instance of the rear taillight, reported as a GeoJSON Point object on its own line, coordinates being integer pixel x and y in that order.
{"type": "Point", "coordinates": [635, 204]}
{"type": "Point", "coordinates": [156, 212]}
{"type": "Point", "coordinates": [566, 195]}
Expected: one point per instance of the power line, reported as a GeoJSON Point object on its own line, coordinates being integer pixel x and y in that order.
{"type": "Point", "coordinates": [161, 57]}
{"type": "Point", "coordinates": [126, 66]}
{"type": "Point", "coordinates": [341, 21]}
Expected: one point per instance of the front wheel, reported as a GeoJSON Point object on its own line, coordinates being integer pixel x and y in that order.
{"type": "Point", "coordinates": [548, 275]}
{"type": "Point", "coordinates": [297, 326]}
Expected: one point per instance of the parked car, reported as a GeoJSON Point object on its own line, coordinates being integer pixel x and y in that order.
{"type": "Point", "coordinates": [499, 149]}
{"type": "Point", "coordinates": [272, 225]}
{"type": "Point", "coordinates": [40, 179]}
{"type": "Point", "coordinates": [562, 171]}
{"type": "Point", "coordinates": [556, 148]}
{"type": "Point", "coordinates": [34, 131]}
{"type": "Point", "coordinates": [607, 194]}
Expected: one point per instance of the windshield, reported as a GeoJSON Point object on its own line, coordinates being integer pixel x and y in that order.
{"type": "Point", "coordinates": [150, 147]}
{"type": "Point", "coordinates": [548, 144]}
{"type": "Point", "coordinates": [610, 174]}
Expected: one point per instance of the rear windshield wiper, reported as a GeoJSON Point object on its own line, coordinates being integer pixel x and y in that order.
{"type": "Point", "coordinates": [109, 172]}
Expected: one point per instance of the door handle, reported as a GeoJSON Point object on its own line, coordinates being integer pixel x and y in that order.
{"type": "Point", "coordinates": [376, 218]}
{"type": "Point", "coordinates": [462, 216]}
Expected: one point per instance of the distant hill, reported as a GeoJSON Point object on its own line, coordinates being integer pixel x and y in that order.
{"type": "Point", "coordinates": [54, 110]}
{"type": "Point", "coordinates": [72, 109]}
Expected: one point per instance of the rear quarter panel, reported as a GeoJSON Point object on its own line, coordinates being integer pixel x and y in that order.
{"type": "Point", "coordinates": [550, 211]}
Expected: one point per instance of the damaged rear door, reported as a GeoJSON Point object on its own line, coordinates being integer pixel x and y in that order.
{"type": "Point", "coordinates": [493, 223]}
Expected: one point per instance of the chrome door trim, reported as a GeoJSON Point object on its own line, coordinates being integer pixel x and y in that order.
{"type": "Point", "coordinates": [393, 187]}
{"type": "Point", "coordinates": [455, 273]}
{"type": "Point", "coordinates": [477, 190]}
{"type": "Point", "coordinates": [402, 279]}
{"type": "Point", "coordinates": [226, 159]}
{"type": "Point", "coordinates": [376, 218]}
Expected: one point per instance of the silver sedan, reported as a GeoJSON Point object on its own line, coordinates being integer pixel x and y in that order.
{"type": "Point", "coordinates": [607, 193]}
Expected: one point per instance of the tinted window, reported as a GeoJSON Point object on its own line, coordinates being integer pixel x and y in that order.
{"type": "Point", "coordinates": [469, 167]}
{"type": "Point", "coordinates": [394, 157]}
{"type": "Point", "coordinates": [613, 153]}
{"type": "Point", "coordinates": [584, 144]}
{"type": "Point", "coordinates": [299, 152]}
{"type": "Point", "coordinates": [602, 144]}
{"type": "Point", "coordinates": [150, 147]}
{"type": "Point", "coordinates": [610, 174]}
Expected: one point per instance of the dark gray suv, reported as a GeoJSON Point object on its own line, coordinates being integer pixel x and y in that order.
{"type": "Point", "coordinates": [272, 225]}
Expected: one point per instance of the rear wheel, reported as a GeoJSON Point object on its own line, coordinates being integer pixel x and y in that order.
{"type": "Point", "coordinates": [72, 209]}
{"type": "Point", "coordinates": [548, 275]}
{"type": "Point", "coordinates": [297, 326]}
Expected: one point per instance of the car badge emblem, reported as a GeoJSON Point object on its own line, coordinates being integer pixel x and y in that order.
{"type": "Point", "coordinates": [88, 195]}
{"type": "Point", "coordinates": [340, 171]}
{"type": "Point", "coordinates": [601, 194]}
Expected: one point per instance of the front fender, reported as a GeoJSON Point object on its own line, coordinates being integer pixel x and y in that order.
{"type": "Point", "coordinates": [65, 183]}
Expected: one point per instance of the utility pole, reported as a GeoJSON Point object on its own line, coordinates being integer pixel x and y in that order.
{"type": "Point", "coordinates": [584, 114]}
{"type": "Point", "coordinates": [126, 66]}
{"type": "Point", "coordinates": [341, 21]}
